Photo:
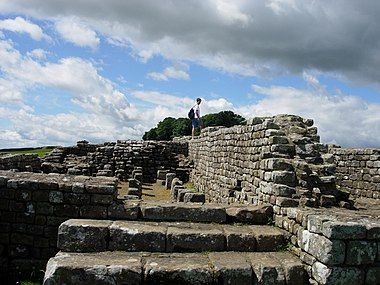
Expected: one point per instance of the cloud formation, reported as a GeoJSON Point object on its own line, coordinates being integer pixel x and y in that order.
{"type": "Point", "coordinates": [244, 37]}
{"type": "Point", "coordinates": [20, 25]}
{"type": "Point", "coordinates": [175, 72]}
{"type": "Point", "coordinates": [76, 32]}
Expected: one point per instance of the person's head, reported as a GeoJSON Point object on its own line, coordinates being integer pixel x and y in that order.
{"type": "Point", "coordinates": [199, 100]}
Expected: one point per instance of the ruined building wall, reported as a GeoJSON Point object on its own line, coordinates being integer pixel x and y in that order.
{"type": "Point", "coordinates": [116, 159]}
{"type": "Point", "coordinates": [276, 160]}
{"type": "Point", "coordinates": [21, 162]}
{"type": "Point", "coordinates": [358, 171]}
{"type": "Point", "coordinates": [32, 206]}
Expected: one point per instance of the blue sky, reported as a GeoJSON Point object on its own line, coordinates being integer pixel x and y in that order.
{"type": "Point", "coordinates": [111, 70]}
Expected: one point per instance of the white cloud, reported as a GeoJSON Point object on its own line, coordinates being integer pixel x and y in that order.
{"type": "Point", "coordinates": [175, 72]}
{"type": "Point", "coordinates": [257, 38]}
{"type": "Point", "coordinates": [342, 119]}
{"type": "Point", "coordinates": [37, 53]}
{"type": "Point", "coordinates": [77, 32]}
{"type": "Point", "coordinates": [20, 25]}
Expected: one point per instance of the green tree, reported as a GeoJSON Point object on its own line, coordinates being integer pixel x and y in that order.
{"type": "Point", "coordinates": [171, 127]}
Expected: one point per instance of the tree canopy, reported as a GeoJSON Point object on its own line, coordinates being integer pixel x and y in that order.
{"type": "Point", "coordinates": [170, 127]}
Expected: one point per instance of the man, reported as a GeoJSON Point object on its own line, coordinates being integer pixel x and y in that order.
{"type": "Point", "coordinates": [196, 121]}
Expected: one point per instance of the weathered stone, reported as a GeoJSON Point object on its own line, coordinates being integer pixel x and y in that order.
{"type": "Point", "coordinates": [343, 230]}
{"type": "Point", "coordinates": [231, 268]}
{"type": "Point", "coordinates": [329, 252]}
{"type": "Point", "coordinates": [372, 276]}
{"type": "Point", "coordinates": [239, 238]}
{"type": "Point", "coordinates": [121, 211]}
{"type": "Point", "coordinates": [266, 269]}
{"type": "Point", "coordinates": [178, 269]}
{"type": "Point", "coordinates": [55, 197]}
{"type": "Point", "coordinates": [294, 269]}
{"type": "Point", "coordinates": [194, 197]}
{"type": "Point", "coordinates": [191, 237]}
{"type": "Point", "coordinates": [268, 238]}
{"type": "Point", "coordinates": [184, 212]}
{"type": "Point", "coordinates": [169, 179]}
{"type": "Point", "coordinates": [337, 275]}
{"type": "Point", "coordinates": [361, 252]}
{"type": "Point", "coordinates": [94, 268]}
{"type": "Point", "coordinates": [137, 236]}
{"type": "Point", "coordinates": [250, 214]}
{"type": "Point", "coordinates": [83, 235]}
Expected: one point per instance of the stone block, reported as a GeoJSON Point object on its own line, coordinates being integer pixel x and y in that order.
{"type": "Point", "coordinates": [83, 235]}
{"type": "Point", "coordinates": [239, 238]}
{"type": "Point", "coordinates": [93, 212]}
{"type": "Point", "coordinates": [94, 268]}
{"type": "Point", "coordinates": [161, 174]}
{"type": "Point", "coordinates": [192, 237]}
{"type": "Point", "coordinates": [344, 230]}
{"type": "Point", "coordinates": [194, 197]}
{"type": "Point", "coordinates": [231, 268]}
{"type": "Point", "coordinates": [178, 269]}
{"type": "Point", "coordinates": [258, 215]}
{"type": "Point", "coordinates": [169, 179]}
{"type": "Point", "coordinates": [174, 192]}
{"type": "Point", "coordinates": [337, 275]}
{"type": "Point", "coordinates": [315, 222]}
{"type": "Point", "coordinates": [266, 269]}
{"type": "Point", "coordinates": [283, 177]}
{"type": "Point", "coordinates": [268, 238]}
{"type": "Point", "coordinates": [329, 252]}
{"type": "Point", "coordinates": [137, 236]}
{"type": "Point", "coordinates": [76, 199]}
{"type": "Point", "coordinates": [121, 211]}
{"type": "Point", "coordinates": [294, 269]}
{"type": "Point", "coordinates": [372, 276]}
{"type": "Point", "coordinates": [181, 194]}
{"type": "Point", "coordinates": [55, 197]}
{"type": "Point", "coordinates": [361, 252]}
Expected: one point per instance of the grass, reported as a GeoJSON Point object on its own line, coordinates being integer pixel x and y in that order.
{"type": "Point", "coordinates": [29, 283]}
{"type": "Point", "coordinates": [41, 152]}
{"type": "Point", "coordinates": [189, 185]}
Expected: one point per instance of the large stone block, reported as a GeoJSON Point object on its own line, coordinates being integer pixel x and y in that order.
{"type": "Point", "coordinates": [137, 236]}
{"type": "Point", "coordinates": [372, 276]}
{"type": "Point", "coordinates": [250, 214]}
{"type": "Point", "coordinates": [344, 230]}
{"type": "Point", "coordinates": [239, 238]}
{"type": "Point", "coordinates": [231, 268]}
{"type": "Point", "coordinates": [94, 269]}
{"type": "Point", "coordinates": [178, 269]}
{"type": "Point", "coordinates": [268, 238]}
{"type": "Point", "coordinates": [337, 275]}
{"type": "Point", "coordinates": [123, 211]}
{"type": "Point", "coordinates": [192, 237]}
{"type": "Point", "coordinates": [361, 252]}
{"type": "Point", "coordinates": [83, 235]}
{"type": "Point", "coordinates": [266, 269]}
{"type": "Point", "coordinates": [329, 252]}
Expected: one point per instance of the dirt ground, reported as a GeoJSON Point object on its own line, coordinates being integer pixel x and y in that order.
{"type": "Point", "coordinates": [150, 192]}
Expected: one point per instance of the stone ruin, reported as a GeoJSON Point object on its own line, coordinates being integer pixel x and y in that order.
{"type": "Point", "coordinates": [269, 204]}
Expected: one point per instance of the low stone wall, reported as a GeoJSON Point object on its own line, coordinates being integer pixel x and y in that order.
{"type": "Point", "coordinates": [339, 246]}
{"type": "Point", "coordinates": [32, 206]}
{"type": "Point", "coordinates": [358, 171]}
{"type": "Point", "coordinates": [116, 159]}
{"type": "Point", "coordinates": [21, 162]}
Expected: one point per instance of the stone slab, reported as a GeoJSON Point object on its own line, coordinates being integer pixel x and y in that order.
{"type": "Point", "coordinates": [266, 269]}
{"type": "Point", "coordinates": [231, 268]}
{"type": "Point", "coordinates": [250, 214]}
{"type": "Point", "coordinates": [192, 237]}
{"type": "Point", "coordinates": [77, 235]}
{"type": "Point", "coordinates": [239, 238]}
{"type": "Point", "coordinates": [137, 236]}
{"type": "Point", "coordinates": [178, 269]}
{"type": "Point", "coordinates": [268, 238]}
{"type": "Point", "coordinates": [94, 268]}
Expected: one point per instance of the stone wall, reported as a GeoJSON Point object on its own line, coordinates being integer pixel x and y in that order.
{"type": "Point", "coordinates": [358, 171]}
{"type": "Point", "coordinates": [116, 159]}
{"type": "Point", "coordinates": [339, 246]}
{"type": "Point", "coordinates": [32, 206]}
{"type": "Point", "coordinates": [273, 159]}
{"type": "Point", "coordinates": [21, 162]}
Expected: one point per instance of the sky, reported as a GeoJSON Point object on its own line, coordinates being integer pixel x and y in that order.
{"type": "Point", "coordinates": [107, 70]}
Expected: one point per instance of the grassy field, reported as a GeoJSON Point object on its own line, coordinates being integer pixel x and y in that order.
{"type": "Point", "coordinates": [41, 152]}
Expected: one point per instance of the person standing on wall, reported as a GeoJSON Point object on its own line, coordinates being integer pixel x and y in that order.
{"type": "Point", "coordinates": [196, 121]}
